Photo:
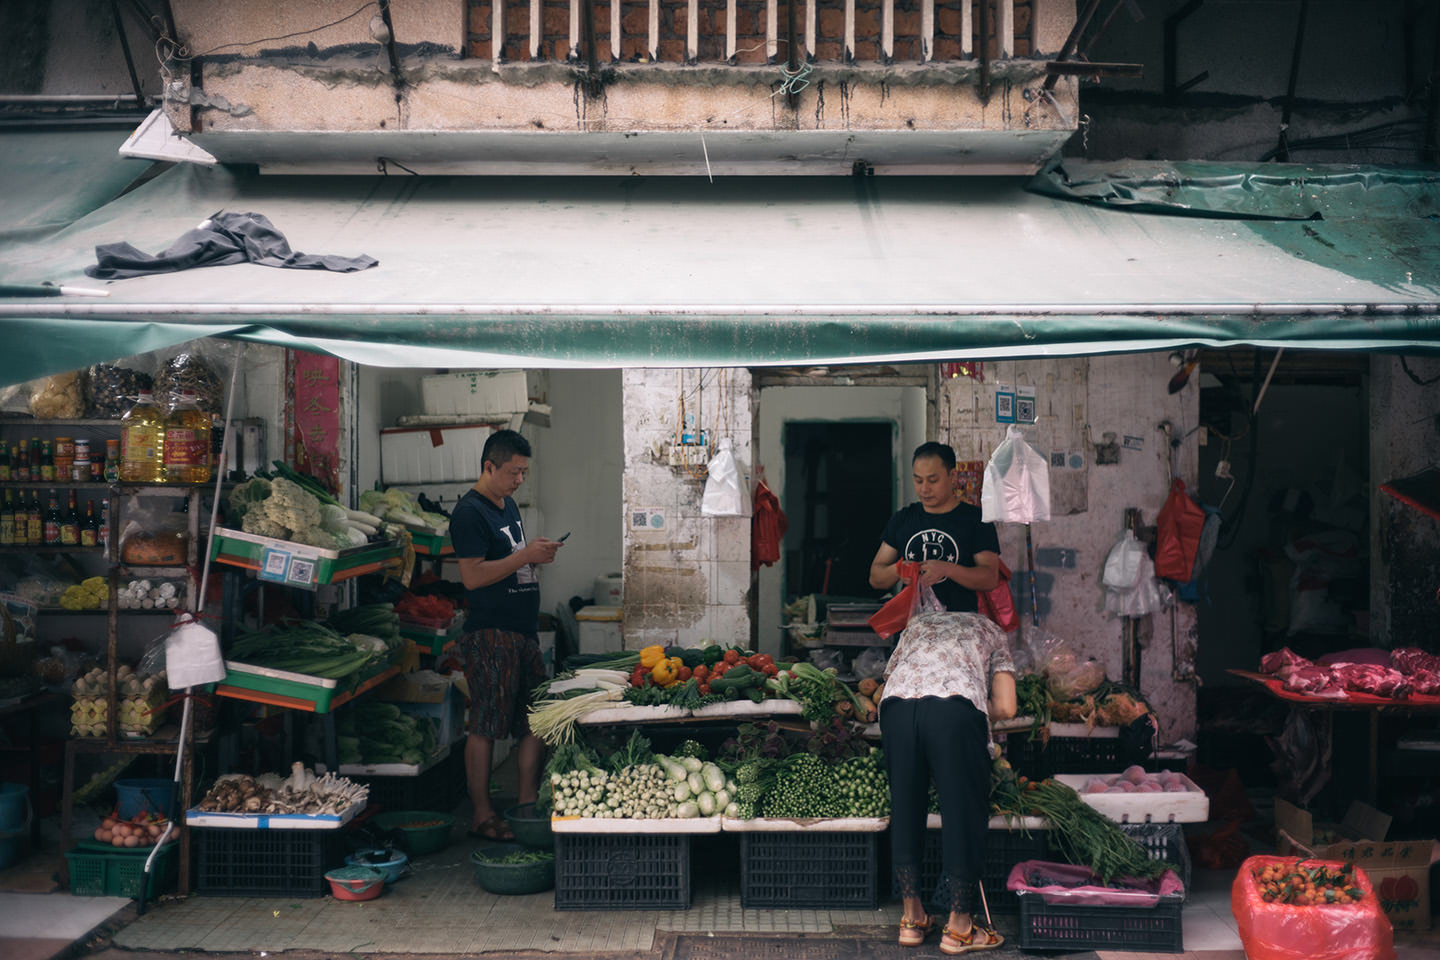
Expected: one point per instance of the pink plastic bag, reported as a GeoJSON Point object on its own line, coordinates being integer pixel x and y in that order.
{"type": "Point", "coordinates": [1282, 931]}
{"type": "Point", "coordinates": [1069, 884]}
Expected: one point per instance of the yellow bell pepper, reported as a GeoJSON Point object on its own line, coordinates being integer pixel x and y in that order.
{"type": "Point", "coordinates": [650, 656]}
{"type": "Point", "coordinates": [664, 672]}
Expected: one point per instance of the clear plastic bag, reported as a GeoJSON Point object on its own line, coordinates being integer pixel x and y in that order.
{"type": "Point", "coordinates": [724, 496]}
{"type": "Point", "coordinates": [111, 389]}
{"type": "Point", "coordinates": [154, 534]}
{"type": "Point", "coordinates": [1068, 676]}
{"type": "Point", "coordinates": [61, 397]}
{"type": "Point", "coordinates": [870, 665]}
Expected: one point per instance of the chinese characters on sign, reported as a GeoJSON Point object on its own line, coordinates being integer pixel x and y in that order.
{"type": "Point", "coordinates": [316, 415]}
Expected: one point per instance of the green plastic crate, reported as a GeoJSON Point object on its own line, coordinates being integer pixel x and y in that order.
{"type": "Point", "coordinates": [431, 544]}
{"type": "Point", "coordinates": [241, 549]}
{"type": "Point", "coordinates": [100, 870]}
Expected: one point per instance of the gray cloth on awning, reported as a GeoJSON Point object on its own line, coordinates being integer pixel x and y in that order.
{"type": "Point", "coordinates": [223, 239]}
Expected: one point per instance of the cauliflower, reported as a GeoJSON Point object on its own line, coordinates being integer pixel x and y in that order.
{"type": "Point", "coordinates": [292, 507]}
{"type": "Point", "coordinates": [245, 495]}
{"type": "Point", "coordinates": [394, 505]}
{"type": "Point", "coordinates": [319, 537]}
{"type": "Point", "coordinates": [257, 523]}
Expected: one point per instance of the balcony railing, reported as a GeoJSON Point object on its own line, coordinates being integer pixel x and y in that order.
{"type": "Point", "coordinates": [750, 31]}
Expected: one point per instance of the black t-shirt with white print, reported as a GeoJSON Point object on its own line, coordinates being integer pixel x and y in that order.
{"type": "Point", "coordinates": [955, 537]}
{"type": "Point", "coordinates": [481, 530]}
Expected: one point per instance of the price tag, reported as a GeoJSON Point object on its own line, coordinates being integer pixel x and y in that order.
{"type": "Point", "coordinates": [301, 572]}
{"type": "Point", "coordinates": [274, 565]}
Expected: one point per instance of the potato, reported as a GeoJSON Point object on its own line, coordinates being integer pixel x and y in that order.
{"type": "Point", "coordinates": [132, 841]}
{"type": "Point", "coordinates": [117, 841]}
{"type": "Point", "coordinates": [102, 834]}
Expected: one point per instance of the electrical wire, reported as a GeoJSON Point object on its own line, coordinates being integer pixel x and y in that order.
{"type": "Point", "coordinates": [177, 47]}
{"type": "Point", "coordinates": [1411, 374]}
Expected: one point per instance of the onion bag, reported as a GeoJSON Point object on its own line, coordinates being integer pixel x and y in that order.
{"type": "Point", "coordinates": [1282, 931]}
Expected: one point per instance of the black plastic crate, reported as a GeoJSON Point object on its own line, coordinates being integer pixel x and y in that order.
{"type": "Point", "coordinates": [1163, 841]}
{"type": "Point", "coordinates": [1038, 759]}
{"type": "Point", "coordinates": [612, 871]}
{"type": "Point", "coordinates": [1003, 849]}
{"type": "Point", "coordinates": [439, 789]}
{"type": "Point", "coordinates": [1046, 926]}
{"type": "Point", "coordinates": [807, 868]}
{"type": "Point", "coordinates": [266, 863]}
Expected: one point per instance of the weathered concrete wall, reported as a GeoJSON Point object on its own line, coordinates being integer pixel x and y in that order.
{"type": "Point", "coordinates": [1405, 543]}
{"type": "Point", "coordinates": [1079, 400]}
{"type": "Point", "coordinates": [687, 576]}
{"type": "Point", "coordinates": [71, 47]}
{"type": "Point", "coordinates": [206, 26]}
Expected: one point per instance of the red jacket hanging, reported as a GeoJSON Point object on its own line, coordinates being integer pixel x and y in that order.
{"type": "Point", "coordinates": [767, 528]}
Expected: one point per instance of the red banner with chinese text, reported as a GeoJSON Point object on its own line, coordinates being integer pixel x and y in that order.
{"type": "Point", "coordinates": [315, 416]}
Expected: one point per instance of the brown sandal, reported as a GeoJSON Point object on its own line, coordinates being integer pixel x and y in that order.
{"type": "Point", "coordinates": [494, 828]}
{"type": "Point", "coordinates": [921, 930]}
{"type": "Point", "coordinates": [967, 941]}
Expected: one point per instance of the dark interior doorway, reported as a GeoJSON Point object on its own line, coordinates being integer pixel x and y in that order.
{"type": "Point", "coordinates": [839, 491]}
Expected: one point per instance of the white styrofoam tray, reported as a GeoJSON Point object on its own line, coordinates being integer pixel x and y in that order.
{"type": "Point", "coordinates": [634, 712]}
{"type": "Point", "coordinates": [273, 821]}
{"type": "Point", "coordinates": [769, 707]}
{"type": "Point", "coordinates": [1192, 806]}
{"type": "Point", "coordinates": [672, 825]}
{"type": "Point", "coordinates": [392, 769]}
{"type": "Point", "coordinates": [807, 825]}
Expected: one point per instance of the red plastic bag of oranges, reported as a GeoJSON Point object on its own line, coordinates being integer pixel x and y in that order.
{"type": "Point", "coordinates": [1289, 909]}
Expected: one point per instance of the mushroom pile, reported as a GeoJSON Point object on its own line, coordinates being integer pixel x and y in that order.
{"type": "Point", "coordinates": [301, 792]}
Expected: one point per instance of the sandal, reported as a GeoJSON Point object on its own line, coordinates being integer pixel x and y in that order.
{"type": "Point", "coordinates": [918, 930]}
{"type": "Point", "coordinates": [967, 941]}
{"type": "Point", "coordinates": [494, 828]}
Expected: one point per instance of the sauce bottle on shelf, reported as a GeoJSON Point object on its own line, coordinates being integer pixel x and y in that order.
{"type": "Point", "coordinates": [4, 462]}
{"type": "Point", "coordinates": [90, 529]}
{"type": "Point", "coordinates": [142, 442]}
{"type": "Point", "coordinates": [35, 520]}
{"type": "Point", "coordinates": [70, 523]}
{"type": "Point", "coordinates": [47, 465]}
{"type": "Point", "coordinates": [20, 462]}
{"type": "Point", "coordinates": [7, 520]}
{"type": "Point", "coordinates": [187, 441]}
{"type": "Point", "coordinates": [52, 521]}
{"type": "Point", "coordinates": [104, 533]}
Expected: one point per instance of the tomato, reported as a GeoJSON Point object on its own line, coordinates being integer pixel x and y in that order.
{"type": "Point", "coordinates": [732, 657]}
{"type": "Point", "coordinates": [683, 674]}
{"type": "Point", "coordinates": [704, 689]}
{"type": "Point", "coordinates": [701, 673]}
{"type": "Point", "coordinates": [770, 670]}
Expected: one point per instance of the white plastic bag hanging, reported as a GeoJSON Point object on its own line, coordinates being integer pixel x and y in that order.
{"type": "Point", "coordinates": [192, 656]}
{"type": "Point", "coordinates": [1017, 482]}
{"type": "Point", "coordinates": [723, 493]}
{"type": "Point", "coordinates": [1129, 578]}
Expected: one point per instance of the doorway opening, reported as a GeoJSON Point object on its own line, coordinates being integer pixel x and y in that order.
{"type": "Point", "coordinates": [839, 487]}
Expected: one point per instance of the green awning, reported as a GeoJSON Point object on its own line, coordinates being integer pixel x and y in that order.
{"type": "Point", "coordinates": [53, 178]}
{"type": "Point", "coordinates": [618, 272]}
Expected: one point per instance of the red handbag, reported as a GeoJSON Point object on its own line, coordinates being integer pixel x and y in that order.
{"type": "Point", "coordinates": [1177, 535]}
{"type": "Point", "coordinates": [997, 604]}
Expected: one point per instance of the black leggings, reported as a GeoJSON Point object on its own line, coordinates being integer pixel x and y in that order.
{"type": "Point", "coordinates": [947, 738]}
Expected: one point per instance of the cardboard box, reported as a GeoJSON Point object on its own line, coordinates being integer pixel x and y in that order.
{"type": "Point", "coordinates": [475, 393]}
{"type": "Point", "coordinates": [432, 454]}
{"type": "Point", "coordinates": [422, 686]}
{"type": "Point", "coordinates": [1399, 870]}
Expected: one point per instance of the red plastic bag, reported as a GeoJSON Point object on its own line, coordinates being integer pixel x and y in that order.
{"type": "Point", "coordinates": [1177, 535]}
{"type": "Point", "coordinates": [1282, 931]}
{"type": "Point", "coordinates": [767, 528]}
{"type": "Point", "coordinates": [998, 605]}
{"type": "Point", "coordinates": [897, 611]}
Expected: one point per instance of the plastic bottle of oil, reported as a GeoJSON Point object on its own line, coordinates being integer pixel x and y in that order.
{"type": "Point", "coordinates": [187, 441]}
{"type": "Point", "coordinates": [142, 442]}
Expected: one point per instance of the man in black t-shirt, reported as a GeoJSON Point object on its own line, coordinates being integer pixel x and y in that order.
{"type": "Point", "coordinates": [500, 649]}
{"type": "Point", "coordinates": [958, 554]}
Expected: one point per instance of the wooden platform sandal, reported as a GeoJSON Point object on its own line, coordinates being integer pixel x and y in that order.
{"type": "Point", "coordinates": [968, 942]}
{"type": "Point", "coordinates": [914, 932]}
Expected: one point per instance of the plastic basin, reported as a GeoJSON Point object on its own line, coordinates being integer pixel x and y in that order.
{"type": "Point", "coordinates": [530, 828]}
{"type": "Point", "coordinates": [356, 883]}
{"type": "Point", "coordinates": [392, 863]}
{"type": "Point", "coordinates": [420, 831]}
{"type": "Point", "coordinates": [144, 796]}
{"type": "Point", "coordinates": [531, 876]}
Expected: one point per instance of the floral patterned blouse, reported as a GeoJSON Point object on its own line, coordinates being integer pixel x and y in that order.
{"type": "Point", "coordinates": [947, 654]}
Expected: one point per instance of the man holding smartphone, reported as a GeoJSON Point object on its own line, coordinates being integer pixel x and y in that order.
{"type": "Point", "coordinates": [500, 648]}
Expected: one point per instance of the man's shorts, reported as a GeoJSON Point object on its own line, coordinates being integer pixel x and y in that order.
{"type": "Point", "coordinates": [502, 668]}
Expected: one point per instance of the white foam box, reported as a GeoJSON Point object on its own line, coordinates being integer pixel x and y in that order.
{"type": "Point", "coordinates": [448, 454]}
{"type": "Point", "coordinates": [475, 393]}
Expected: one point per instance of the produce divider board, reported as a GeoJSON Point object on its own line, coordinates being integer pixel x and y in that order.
{"type": "Point", "coordinates": [1083, 730]}
{"type": "Point", "coordinates": [769, 707]}
{"type": "Point", "coordinates": [295, 691]}
{"type": "Point", "coordinates": [1191, 806]}
{"type": "Point", "coordinates": [297, 564]}
{"type": "Point", "coordinates": [808, 825]}
{"type": "Point", "coordinates": [632, 712]}
{"type": "Point", "coordinates": [1013, 824]}
{"type": "Point", "coordinates": [393, 769]}
{"type": "Point", "coordinates": [273, 821]}
{"type": "Point", "coordinates": [673, 825]}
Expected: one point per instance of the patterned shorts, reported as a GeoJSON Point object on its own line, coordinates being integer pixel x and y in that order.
{"type": "Point", "coordinates": [502, 669]}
